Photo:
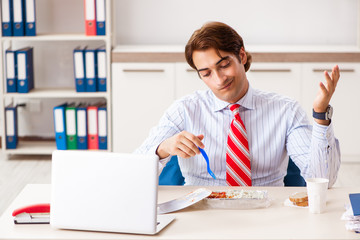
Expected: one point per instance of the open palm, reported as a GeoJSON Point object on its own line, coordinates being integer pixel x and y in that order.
{"type": "Point", "coordinates": [326, 90]}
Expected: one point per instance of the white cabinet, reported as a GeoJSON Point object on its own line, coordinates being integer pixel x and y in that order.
{"type": "Point", "coordinates": [345, 100]}
{"type": "Point", "coordinates": [154, 86]}
{"type": "Point", "coordinates": [142, 93]}
{"type": "Point", "coordinates": [282, 78]}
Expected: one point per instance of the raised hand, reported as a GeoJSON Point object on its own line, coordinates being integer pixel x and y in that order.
{"type": "Point", "coordinates": [325, 92]}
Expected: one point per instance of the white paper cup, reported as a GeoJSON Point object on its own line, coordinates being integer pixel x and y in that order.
{"type": "Point", "coordinates": [316, 190]}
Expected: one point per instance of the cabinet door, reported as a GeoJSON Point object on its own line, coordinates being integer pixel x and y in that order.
{"type": "Point", "coordinates": [282, 78]}
{"type": "Point", "coordinates": [187, 80]}
{"type": "Point", "coordinates": [141, 92]}
{"type": "Point", "coordinates": [345, 99]}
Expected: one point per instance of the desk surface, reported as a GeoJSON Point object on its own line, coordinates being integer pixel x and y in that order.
{"type": "Point", "coordinates": [274, 222]}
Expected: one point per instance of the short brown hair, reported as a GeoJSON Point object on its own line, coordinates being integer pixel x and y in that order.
{"type": "Point", "coordinates": [219, 36]}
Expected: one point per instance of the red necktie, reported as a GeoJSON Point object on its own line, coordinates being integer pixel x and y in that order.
{"type": "Point", "coordinates": [238, 169]}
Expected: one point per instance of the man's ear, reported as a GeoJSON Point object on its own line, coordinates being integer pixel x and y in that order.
{"type": "Point", "coordinates": [243, 56]}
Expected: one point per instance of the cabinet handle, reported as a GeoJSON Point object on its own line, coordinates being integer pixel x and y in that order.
{"type": "Point", "coordinates": [191, 70]}
{"type": "Point", "coordinates": [143, 70]}
{"type": "Point", "coordinates": [330, 70]}
{"type": "Point", "coordinates": [270, 70]}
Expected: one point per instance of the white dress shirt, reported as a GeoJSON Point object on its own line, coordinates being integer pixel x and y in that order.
{"type": "Point", "coordinates": [277, 127]}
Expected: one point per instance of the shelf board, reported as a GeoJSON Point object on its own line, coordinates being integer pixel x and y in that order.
{"type": "Point", "coordinates": [56, 37]}
{"type": "Point", "coordinates": [33, 147]}
{"type": "Point", "coordinates": [57, 93]}
{"type": "Point", "coordinates": [36, 148]}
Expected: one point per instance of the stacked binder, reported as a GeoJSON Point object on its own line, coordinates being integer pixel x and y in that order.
{"type": "Point", "coordinates": [11, 127]}
{"type": "Point", "coordinates": [80, 126]}
{"type": "Point", "coordinates": [19, 70]}
{"type": "Point", "coordinates": [95, 17]}
{"type": "Point", "coordinates": [90, 69]}
{"type": "Point", "coordinates": [18, 18]}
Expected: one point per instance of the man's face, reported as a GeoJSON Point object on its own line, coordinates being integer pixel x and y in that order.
{"type": "Point", "coordinates": [224, 74]}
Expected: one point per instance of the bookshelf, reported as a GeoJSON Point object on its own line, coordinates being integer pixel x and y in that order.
{"type": "Point", "coordinates": [57, 35]}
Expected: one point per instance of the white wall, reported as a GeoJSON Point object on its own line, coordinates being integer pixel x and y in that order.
{"type": "Point", "coordinates": [257, 21]}
{"type": "Point", "coordinates": [276, 22]}
{"type": "Point", "coordinates": [60, 16]}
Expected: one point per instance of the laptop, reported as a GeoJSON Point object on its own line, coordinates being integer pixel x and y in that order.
{"type": "Point", "coordinates": [103, 191]}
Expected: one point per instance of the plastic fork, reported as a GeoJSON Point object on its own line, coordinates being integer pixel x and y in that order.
{"type": "Point", "coordinates": [207, 162]}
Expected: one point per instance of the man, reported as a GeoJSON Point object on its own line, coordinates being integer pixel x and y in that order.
{"type": "Point", "coordinates": [248, 134]}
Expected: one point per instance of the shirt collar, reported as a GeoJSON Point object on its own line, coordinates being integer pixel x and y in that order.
{"type": "Point", "coordinates": [246, 101]}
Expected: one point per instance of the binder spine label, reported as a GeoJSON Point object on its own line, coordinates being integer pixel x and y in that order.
{"type": "Point", "coordinates": [30, 11]}
{"type": "Point", "coordinates": [91, 85]}
{"type": "Point", "coordinates": [101, 62]}
{"type": "Point", "coordinates": [21, 58]}
{"type": "Point", "coordinates": [18, 15]}
{"type": "Point", "coordinates": [89, 10]}
{"type": "Point", "coordinates": [10, 65]}
{"type": "Point", "coordinates": [100, 10]}
{"type": "Point", "coordinates": [21, 73]}
{"type": "Point", "coordinates": [102, 123]}
{"type": "Point", "coordinates": [70, 120]}
{"type": "Point", "coordinates": [92, 119]}
{"type": "Point", "coordinates": [79, 65]}
{"type": "Point", "coordinates": [10, 127]}
{"type": "Point", "coordinates": [81, 129]}
{"type": "Point", "coordinates": [59, 126]}
{"type": "Point", "coordinates": [81, 123]}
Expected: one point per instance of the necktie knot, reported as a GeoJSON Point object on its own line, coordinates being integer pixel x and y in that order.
{"type": "Point", "coordinates": [234, 108]}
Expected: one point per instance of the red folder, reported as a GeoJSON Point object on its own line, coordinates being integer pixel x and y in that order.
{"type": "Point", "coordinates": [90, 20]}
{"type": "Point", "coordinates": [92, 121]}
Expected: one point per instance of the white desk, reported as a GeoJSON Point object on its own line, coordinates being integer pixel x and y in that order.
{"type": "Point", "coordinates": [275, 222]}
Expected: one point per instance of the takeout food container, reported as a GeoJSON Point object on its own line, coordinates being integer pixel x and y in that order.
{"type": "Point", "coordinates": [237, 199]}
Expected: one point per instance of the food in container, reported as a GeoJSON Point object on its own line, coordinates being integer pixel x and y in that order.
{"type": "Point", "coordinates": [237, 199]}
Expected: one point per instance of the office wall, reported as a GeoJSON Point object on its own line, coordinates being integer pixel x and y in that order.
{"type": "Point", "coordinates": [60, 16]}
{"type": "Point", "coordinates": [277, 22]}
{"type": "Point", "coordinates": [273, 22]}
